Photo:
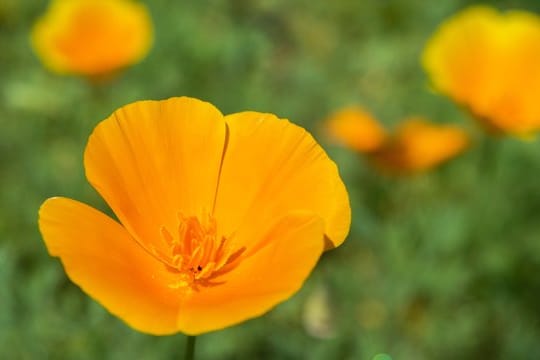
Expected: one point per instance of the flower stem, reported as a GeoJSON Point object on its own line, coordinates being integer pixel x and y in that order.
{"type": "Point", "coordinates": [190, 348]}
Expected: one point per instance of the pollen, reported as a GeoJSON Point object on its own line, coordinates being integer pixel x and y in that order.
{"type": "Point", "coordinates": [197, 253]}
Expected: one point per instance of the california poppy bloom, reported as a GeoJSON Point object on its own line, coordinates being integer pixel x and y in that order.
{"type": "Point", "coordinates": [488, 62]}
{"type": "Point", "coordinates": [220, 218]}
{"type": "Point", "coordinates": [92, 37]}
{"type": "Point", "coordinates": [419, 145]}
{"type": "Point", "coordinates": [416, 145]}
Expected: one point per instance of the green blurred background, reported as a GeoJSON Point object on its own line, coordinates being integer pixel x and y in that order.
{"type": "Point", "coordinates": [443, 265]}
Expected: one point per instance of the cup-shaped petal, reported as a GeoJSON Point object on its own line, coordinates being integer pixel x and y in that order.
{"type": "Point", "coordinates": [154, 160]}
{"type": "Point", "coordinates": [101, 257]}
{"type": "Point", "coordinates": [272, 167]}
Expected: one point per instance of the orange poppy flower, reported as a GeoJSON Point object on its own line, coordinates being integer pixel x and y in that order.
{"type": "Point", "coordinates": [488, 62]}
{"type": "Point", "coordinates": [220, 217]}
{"type": "Point", "coordinates": [355, 128]}
{"type": "Point", "coordinates": [419, 145]}
{"type": "Point", "coordinates": [92, 37]}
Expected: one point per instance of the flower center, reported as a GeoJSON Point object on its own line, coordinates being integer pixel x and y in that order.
{"type": "Point", "coordinates": [197, 253]}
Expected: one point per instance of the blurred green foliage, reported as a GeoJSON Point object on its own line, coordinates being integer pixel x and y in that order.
{"type": "Point", "coordinates": [442, 265]}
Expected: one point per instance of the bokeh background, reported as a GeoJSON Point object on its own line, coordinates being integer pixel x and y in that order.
{"type": "Point", "coordinates": [440, 265]}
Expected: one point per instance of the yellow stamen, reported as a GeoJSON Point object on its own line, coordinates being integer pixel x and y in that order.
{"type": "Point", "coordinates": [197, 253]}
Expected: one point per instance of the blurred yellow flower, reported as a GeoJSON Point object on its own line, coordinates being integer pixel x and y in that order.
{"type": "Point", "coordinates": [489, 62]}
{"type": "Point", "coordinates": [220, 217]}
{"type": "Point", "coordinates": [419, 145]}
{"type": "Point", "coordinates": [416, 145]}
{"type": "Point", "coordinates": [355, 128]}
{"type": "Point", "coordinates": [92, 37]}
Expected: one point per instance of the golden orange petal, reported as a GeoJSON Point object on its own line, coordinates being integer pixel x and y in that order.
{"type": "Point", "coordinates": [355, 128]}
{"type": "Point", "coordinates": [272, 167]}
{"type": "Point", "coordinates": [516, 109]}
{"type": "Point", "coordinates": [107, 263]}
{"type": "Point", "coordinates": [461, 55]}
{"type": "Point", "coordinates": [155, 160]}
{"type": "Point", "coordinates": [419, 145]}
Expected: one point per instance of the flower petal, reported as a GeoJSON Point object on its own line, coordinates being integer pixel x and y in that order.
{"type": "Point", "coordinates": [99, 256]}
{"type": "Point", "coordinates": [356, 129]}
{"type": "Point", "coordinates": [272, 167]}
{"type": "Point", "coordinates": [419, 145]}
{"type": "Point", "coordinates": [291, 248]}
{"type": "Point", "coordinates": [152, 160]}
{"type": "Point", "coordinates": [463, 55]}
{"type": "Point", "coordinates": [516, 109]}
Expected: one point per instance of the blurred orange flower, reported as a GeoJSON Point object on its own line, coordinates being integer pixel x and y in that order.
{"type": "Point", "coordinates": [417, 145]}
{"type": "Point", "coordinates": [221, 217]}
{"type": "Point", "coordinates": [92, 37]}
{"type": "Point", "coordinates": [488, 62]}
{"type": "Point", "coordinates": [355, 128]}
